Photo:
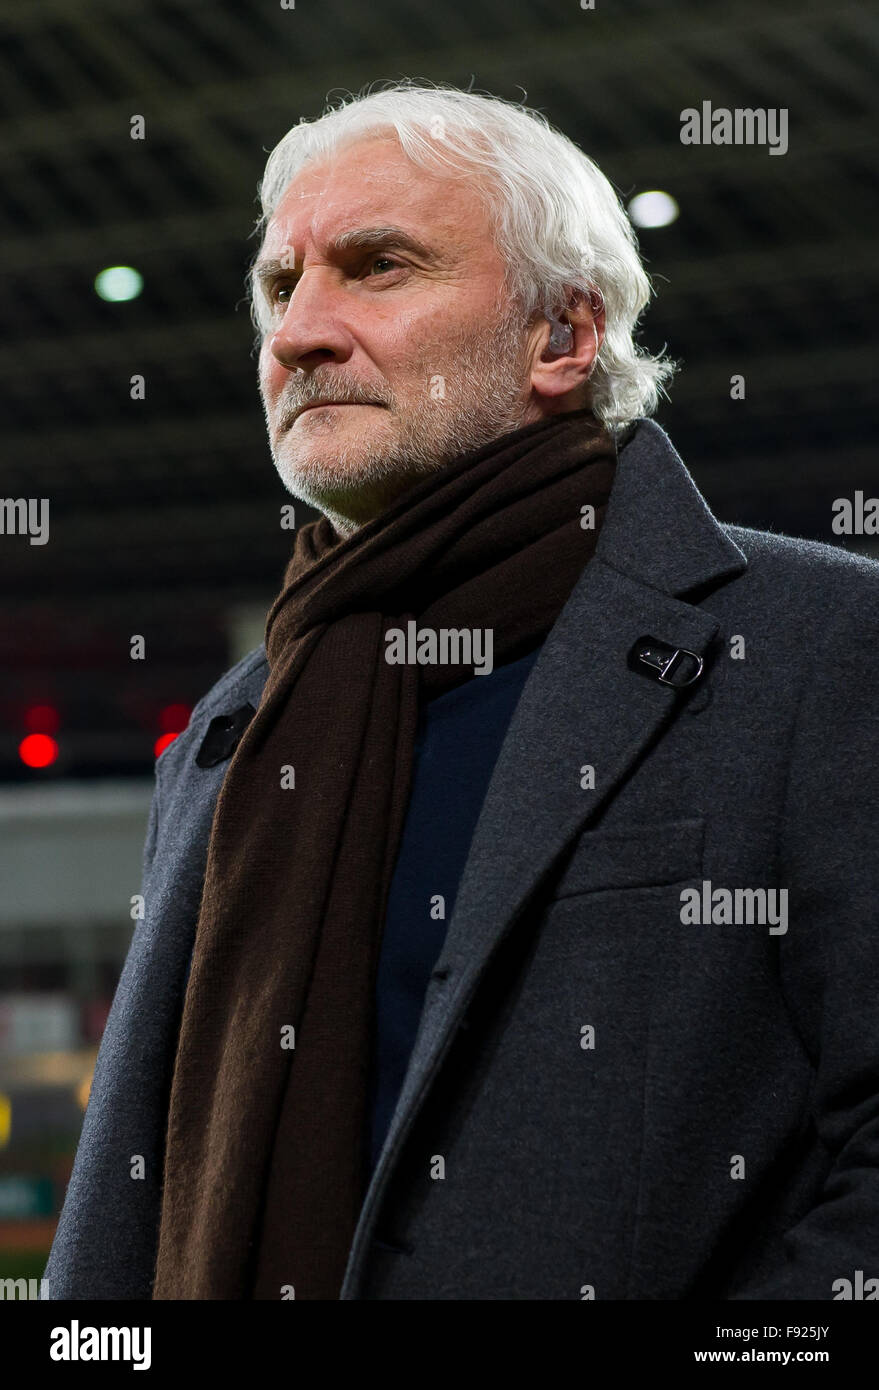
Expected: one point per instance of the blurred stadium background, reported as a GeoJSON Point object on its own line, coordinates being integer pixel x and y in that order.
{"type": "Point", "coordinates": [165, 511]}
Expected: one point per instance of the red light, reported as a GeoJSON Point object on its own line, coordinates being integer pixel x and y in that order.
{"type": "Point", "coordinates": [173, 719]}
{"type": "Point", "coordinates": [38, 750]}
{"type": "Point", "coordinates": [162, 743]}
{"type": "Point", "coordinates": [41, 719]}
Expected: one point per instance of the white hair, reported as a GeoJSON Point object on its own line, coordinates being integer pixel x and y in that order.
{"type": "Point", "coordinates": [557, 221]}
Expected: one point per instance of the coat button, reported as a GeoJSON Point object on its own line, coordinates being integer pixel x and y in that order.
{"type": "Point", "coordinates": [223, 736]}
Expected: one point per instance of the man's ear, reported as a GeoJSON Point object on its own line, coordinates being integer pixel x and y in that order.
{"type": "Point", "coordinates": [556, 374]}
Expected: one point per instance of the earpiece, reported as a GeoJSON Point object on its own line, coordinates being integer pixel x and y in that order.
{"type": "Point", "coordinates": [561, 339]}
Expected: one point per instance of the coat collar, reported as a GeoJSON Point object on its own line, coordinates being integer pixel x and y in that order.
{"type": "Point", "coordinates": [659, 542]}
{"type": "Point", "coordinates": [658, 528]}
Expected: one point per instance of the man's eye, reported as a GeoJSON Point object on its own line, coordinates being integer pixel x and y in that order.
{"type": "Point", "coordinates": [388, 260]}
{"type": "Point", "coordinates": [284, 288]}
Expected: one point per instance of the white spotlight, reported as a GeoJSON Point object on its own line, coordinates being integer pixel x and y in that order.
{"type": "Point", "coordinates": [653, 209]}
{"type": "Point", "coordinates": [119, 282]}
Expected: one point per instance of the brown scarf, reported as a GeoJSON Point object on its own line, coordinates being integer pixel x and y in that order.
{"type": "Point", "coordinates": [265, 1154]}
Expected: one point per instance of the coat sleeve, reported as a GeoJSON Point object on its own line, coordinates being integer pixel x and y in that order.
{"type": "Point", "coordinates": [107, 1234]}
{"type": "Point", "coordinates": [829, 958]}
{"type": "Point", "coordinates": [101, 1247]}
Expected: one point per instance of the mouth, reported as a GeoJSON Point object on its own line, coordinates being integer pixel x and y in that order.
{"type": "Point", "coordinates": [326, 405]}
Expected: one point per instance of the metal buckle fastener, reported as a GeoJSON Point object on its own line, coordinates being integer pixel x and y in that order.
{"type": "Point", "coordinates": [664, 662]}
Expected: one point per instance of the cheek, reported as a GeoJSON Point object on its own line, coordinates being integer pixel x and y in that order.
{"type": "Point", "coordinates": [397, 338]}
{"type": "Point", "coordinates": [406, 354]}
{"type": "Point", "coordinates": [272, 375]}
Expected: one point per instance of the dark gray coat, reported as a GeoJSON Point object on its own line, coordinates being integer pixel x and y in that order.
{"type": "Point", "coordinates": [720, 1138]}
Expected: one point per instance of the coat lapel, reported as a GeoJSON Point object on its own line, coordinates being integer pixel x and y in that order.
{"type": "Point", "coordinates": [582, 704]}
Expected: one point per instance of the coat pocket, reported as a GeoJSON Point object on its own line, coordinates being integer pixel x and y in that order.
{"type": "Point", "coordinates": [643, 856]}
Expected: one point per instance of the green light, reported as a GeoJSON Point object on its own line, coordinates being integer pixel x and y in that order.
{"type": "Point", "coordinates": [119, 282]}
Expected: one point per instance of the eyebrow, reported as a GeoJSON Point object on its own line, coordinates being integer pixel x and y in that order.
{"type": "Point", "coordinates": [358, 239]}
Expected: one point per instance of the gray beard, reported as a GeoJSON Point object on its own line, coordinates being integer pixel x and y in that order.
{"type": "Point", "coordinates": [494, 402]}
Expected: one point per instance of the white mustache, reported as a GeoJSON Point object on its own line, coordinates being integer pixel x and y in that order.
{"type": "Point", "coordinates": [338, 396]}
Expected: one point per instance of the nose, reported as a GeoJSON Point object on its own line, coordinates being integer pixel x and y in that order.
{"type": "Point", "coordinates": [312, 329]}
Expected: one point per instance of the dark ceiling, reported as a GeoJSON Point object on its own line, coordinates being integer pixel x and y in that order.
{"type": "Point", "coordinates": [164, 511]}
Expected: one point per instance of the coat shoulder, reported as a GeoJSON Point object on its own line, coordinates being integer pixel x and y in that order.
{"type": "Point", "coordinates": [801, 552]}
{"type": "Point", "coordinates": [812, 581]}
{"type": "Point", "coordinates": [242, 684]}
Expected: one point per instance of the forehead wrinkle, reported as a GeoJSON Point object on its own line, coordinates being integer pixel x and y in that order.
{"type": "Point", "coordinates": [359, 238]}
{"type": "Point", "coordinates": [360, 205]}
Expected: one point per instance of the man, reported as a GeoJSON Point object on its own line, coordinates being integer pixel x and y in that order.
{"type": "Point", "coordinates": [510, 915]}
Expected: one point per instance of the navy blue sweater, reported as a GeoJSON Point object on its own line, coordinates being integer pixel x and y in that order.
{"type": "Point", "coordinates": [459, 737]}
